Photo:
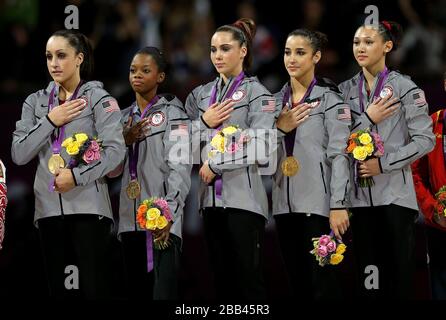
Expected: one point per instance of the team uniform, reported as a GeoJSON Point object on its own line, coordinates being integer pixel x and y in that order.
{"type": "Point", "coordinates": [384, 213]}
{"type": "Point", "coordinates": [302, 202]}
{"type": "Point", "coordinates": [235, 217]}
{"type": "Point", "coordinates": [163, 170]}
{"type": "Point", "coordinates": [429, 174]}
{"type": "Point", "coordinates": [84, 213]}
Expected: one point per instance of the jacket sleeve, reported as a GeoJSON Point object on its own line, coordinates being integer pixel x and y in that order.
{"type": "Point", "coordinates": [337, 122]}
{"type": "Point", "coordinates": [425, 197]}
{"type": "Point", "coordinates": [125, 114]}
{"type": "Point", "coordinates": [261, 122]}
{"type": "Point", "coordinates": [31, 134]}
{"type": "Point", "coordinates": [198, 128]}
{"type": "Point", "coordinates": [177, 156]}
{"type": "Point", "coordinates": [107, 117]}
{"type": "Point", "coordinates": [421, 137]}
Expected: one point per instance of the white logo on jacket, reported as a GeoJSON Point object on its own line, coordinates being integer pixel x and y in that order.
{"type": "Point", "coordinates": [157, 118]}
{"type": "Point", "coordinates": [238, 95]}
{"type": "Point", "coordinates": [387, 91]}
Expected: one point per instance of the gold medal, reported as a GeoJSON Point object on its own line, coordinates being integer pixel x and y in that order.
{"type": "Point", "coordinates": [55, 162]}
{"type": "Point", "coordinates": [290, 166]}
{"type": "Point", "coordinates": [133, 189]}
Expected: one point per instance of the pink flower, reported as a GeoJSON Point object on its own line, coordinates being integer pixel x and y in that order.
{"type": "Point", "coordinates": [322, 251]}
{"type": "Point", "coordinates": [97, 155]}
{"type": "Point", "coordinates": [165, 209]}
{"type": "Point", "coordinates": [232, 148]}
{"type": "Point", "coordinates": [331, 246]}
{"type": "Point", "coordinates": [89, 156]}
{"type": "Point", "coordinates": [379, 149]}
{"type": "Point", "coordinates": [94, 145]}
{"type": "Point", "coordinates": [324, 240]}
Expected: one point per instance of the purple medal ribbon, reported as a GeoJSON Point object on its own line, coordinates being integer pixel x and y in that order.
{"type": "Point", "coordinates": [379, 86]}
{"type": "Point", "coordinates": [133, 161]}
{"type": "Point", "coordinates": [134, 150]}
{"type": "Point", "coordinates": [382, 77]}
{"type": "Point", "coordinates": [237, 81]}
{"type": "Point", "coordinates": [56, 141]}
{"type": "Point", "coordinates": [290, 137]}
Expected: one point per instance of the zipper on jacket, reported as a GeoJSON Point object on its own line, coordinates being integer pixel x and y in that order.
{"type": "Point", "coordinates": [323, 178]}
{"type": "Point", "coordinates": [370, 195]}
{"type": "Point", "coordinates": [61, 206]}
{"type": "Point", "coordinates": [249, 178]}
{"type": "Point", "coordinates": [135, 213]}
{"type": "Point", "coordinates": [288, 192]}
{"type": "Point", "coordinates": [404, 176]}
{"type": "Point", "coordinates": [213, 194]}
{"type": "Point", "coordinates": [96, 184]}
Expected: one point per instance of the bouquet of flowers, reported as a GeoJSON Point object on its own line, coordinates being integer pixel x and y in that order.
{"type": "Point", "coordinates": [82, 149]}
{"type": "Point", "coordinates": [440, 206]}
{"type": "Point", "coordinates": [365, 145]}
{"type": "Point", "coordinates": [328, 250]}
{"type": "Point", "coordinates": [230, 139]}
{"type": "Point", "coordinates": [154, 213]}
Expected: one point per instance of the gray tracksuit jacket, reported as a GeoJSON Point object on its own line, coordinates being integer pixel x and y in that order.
{"type": "Point", "coordinates": [32, 137]}
{"type": "Point", "coordinates": [322, 182]}
{"type": "Point", "coordinates": [164, 164]}
{"type": "Point", "coordinates": [241, 181]}
{"type": "Point", "coordinates": [407, 136]}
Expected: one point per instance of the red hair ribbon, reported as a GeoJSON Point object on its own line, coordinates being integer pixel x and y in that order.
{"type": "Point", "coordinates": [387, 25]}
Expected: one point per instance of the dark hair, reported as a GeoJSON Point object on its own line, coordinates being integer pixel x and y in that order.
{"type": "Point", "coordinates": [390, 31]}
{"type": "Point", "coordinates": [243, 30]}
{"type": "Point", "coordinates": [318, 40]}
{"type": "Point", "coordinates": [80, 43]}
{"type": "Point", "coordinates": [157, 55]}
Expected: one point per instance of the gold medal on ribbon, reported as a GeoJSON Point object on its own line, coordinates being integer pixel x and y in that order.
{"type": "Point", "coordinates": [133, 189]}
{"type": "Point", "coordinates": [55, 162]}
{"type": "Point", "coordinates": [290, 166]}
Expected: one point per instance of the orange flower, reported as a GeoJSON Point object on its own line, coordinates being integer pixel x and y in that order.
{"type": "Point", "coordinates": [351, 146]}
{"type": "Point", "coordinates": [354, 135]}
{"type": "Point", "coordinates": [141, 215]}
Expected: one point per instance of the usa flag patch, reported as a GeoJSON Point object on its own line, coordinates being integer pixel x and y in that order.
{"type": "Point", "coordinates": [269, 105]}
{"type": "Point", "coordinates": [177, 130]}
{"type": "Point", "coordinates": [344, 113]}
{"type": "Point", "coordinates": [419, 99]}
{"type": "Point", "coordinates": [110, 105]}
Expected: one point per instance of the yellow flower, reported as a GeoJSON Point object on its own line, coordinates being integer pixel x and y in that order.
{"type": "Point", "coordinates": [336, 258]}
{"type": "Point", "coordinates": [161, 222]}
{"type": "Point", "coordinates": [365, 138]}
{"type": "Point", "coordinates": [218, 142]}
{"type": "Point", "coordinates": [72, 148]}
{"type": "Point", "coordinates": [153, 214]}
{"type": "Point", "coordinates": [151, 224]}
{"type": "Point", "coordinates": [80, 138]}
{"type": "Point", "coordinates": [360, 153]}
{"type": "Point", "coordinates": [341, 248]}
{"type": "Point", "coordinates": [369, 148]}
{"type": "Point", "coordinates": [444, 212]}
{"type": "Point", "coordinates": [67, 141]}
{"type": "Point", "coordinates": [229, 130]}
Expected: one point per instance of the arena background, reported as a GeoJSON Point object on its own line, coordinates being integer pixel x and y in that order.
{"type": "Point", "coordinates": [183, 30]}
